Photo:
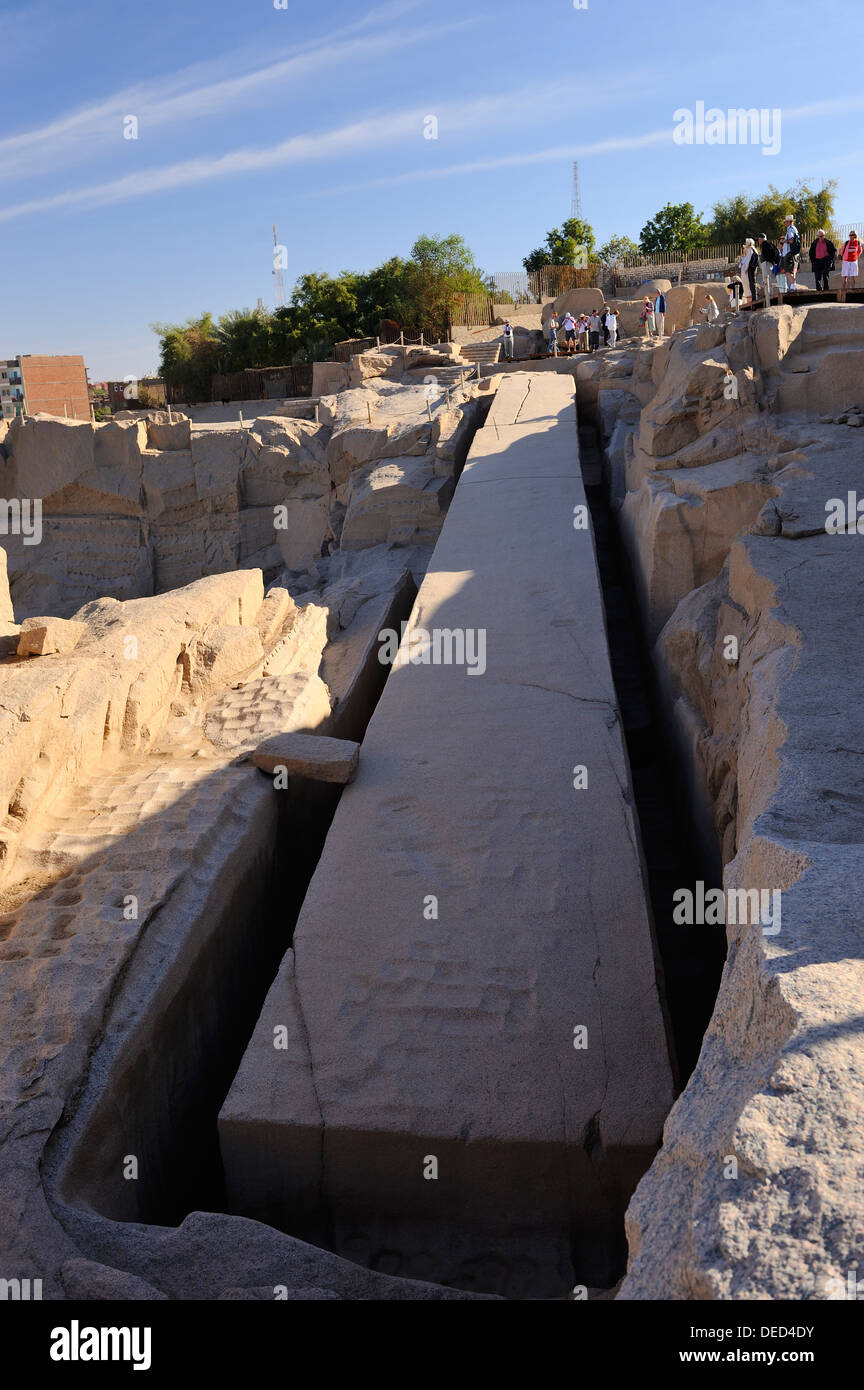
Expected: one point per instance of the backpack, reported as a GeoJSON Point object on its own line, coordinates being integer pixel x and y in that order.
{"type": "Point", "coordinates": [771, 254]}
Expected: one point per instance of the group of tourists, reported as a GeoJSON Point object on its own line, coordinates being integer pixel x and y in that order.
{"type": "Point", "coordinates": [778, 264]}
{"type": "Point", "coordinates": [583, 332]}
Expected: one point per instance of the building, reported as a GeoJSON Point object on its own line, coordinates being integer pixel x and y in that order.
{"type": "Point", "coordinates": [146, 392]}
{"type": "Point", "coordinates": [33, 385]}
{"type": "Point", "coordinates": [11, 389]}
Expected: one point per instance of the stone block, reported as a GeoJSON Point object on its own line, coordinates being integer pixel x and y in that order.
{"type": "Point", "coordinates": [47, 636]}
{"type": "Point", "coordinates": [307, 755]}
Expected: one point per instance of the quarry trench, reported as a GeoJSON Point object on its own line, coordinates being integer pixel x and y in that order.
{"type": "Point", "coordinates": [182, 1011]}
{"type": "Point", "coordinates": [209, 999]}
{"type": "Point", "coordinates": [452, 1037]}
{"type": "Point", "coordinates": [692, 960]}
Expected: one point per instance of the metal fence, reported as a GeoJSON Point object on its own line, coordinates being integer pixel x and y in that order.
{"type": "Point", "coordinates": [474, 310]}
{"type": "Point", "coordinates": [538, 286]}
{"type": "Point", "coordinates": [264, 383]}
{"type": "Point", "coordinates": [703, 261]}
{"type": "Point", "coordinates": [703, 266]}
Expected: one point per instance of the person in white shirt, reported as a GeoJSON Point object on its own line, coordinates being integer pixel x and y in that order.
{"type": "Point", "coordinates": [710, 309]}
{"type": "Point", "coordinates": [569, 326]}
{"type": "Point", "coordinates": [611, 322]}
{"type": "Point", "coordinates": [552, 335]}
{"type": "Point", "coordinates": [507, 335]}
{"type": "Point", "coordinates": [747, 263]}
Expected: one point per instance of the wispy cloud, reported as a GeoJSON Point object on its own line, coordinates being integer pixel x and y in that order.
{"type": "Point", "coordinates": [366, 137]}
{"type": "Point", "coordinates": [187, 96]}
{"type": "Point", "coordinates": [550, 155]}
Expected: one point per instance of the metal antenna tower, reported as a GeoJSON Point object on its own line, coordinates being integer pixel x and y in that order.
{"type": "Point", "coordinates": [576, 203]}
{"type": "Point", "coordinates": [279, 283]}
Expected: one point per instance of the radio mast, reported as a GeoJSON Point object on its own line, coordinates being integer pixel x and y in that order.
{"type": "Point", "coordinates": [576, 202]}
{"type": "Point", "coordinates": [279, 283]}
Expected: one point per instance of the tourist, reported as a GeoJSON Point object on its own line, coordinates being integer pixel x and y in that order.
{"type": "Point", "coordinates": [569, 326]}
{"type": "Point", "coordinates": [849, 263]}
{"type": "Point", "coordinates": [582, 330]}
{"type": "Point", "coordinates": [710, 309]}
{"type": "Point", "coordinates": [611, 325]}
{"type": "Point", "coordinates": [823, 256]}
{"type": "Point", "coordinates": [736, 290]}
{"type": "Point", "coordinates": [660, 313]}
{"type": "Point", "coordinates": [552, 334]}
{"type": "Point", "coordinates": [791, 251]}
{"type": "Point", "coordinates": [507, 335]}
{"type": "Point", "coordinates": [594, 326]}
{"type": "Point", "coordinates": [747, 263]}
{"type": "Point", "coordinates": [769, 257]}
{"type": "Point", "coordinates": [647, 317]}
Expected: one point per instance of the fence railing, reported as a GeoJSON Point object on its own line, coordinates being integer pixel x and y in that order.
{"type": "Point", "coordinates": [677, 269]}
{"type": "Point", "coordinates": [474, 310]}
{"type": "Point", "coordinates": [722, 253]}
{"type": "Point", "coordinates": [538, 286]}
{"type": "Point", "coordinates": [265, 383]}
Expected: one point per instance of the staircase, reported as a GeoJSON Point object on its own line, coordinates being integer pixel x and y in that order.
{"type": "Point", "coordinates": [487, 353]}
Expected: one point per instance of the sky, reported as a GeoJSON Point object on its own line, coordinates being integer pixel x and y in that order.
{"type": "Point", "coordinates": [145, 152]}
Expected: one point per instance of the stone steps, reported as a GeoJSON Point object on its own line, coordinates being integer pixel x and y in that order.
{"type": "Point", "coordinates": [481, 352]}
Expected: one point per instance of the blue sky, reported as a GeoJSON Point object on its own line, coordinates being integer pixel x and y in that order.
{"type": "Point", "coordinates": [313, 117]}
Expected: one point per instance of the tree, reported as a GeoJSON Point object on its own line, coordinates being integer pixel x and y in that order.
{"type": "Point", "coordinates": [324, 309]}
{"type": "Point", "coordinates": [742, 216]}
{"type": "Point", "coordinates": [391, 291]}
{"type": "Point", "coordinates": [445, 269]}
{"type": "Point", "coordinates": [245, 339]}
{"type": "Point", "coordinates": [676, 230]}
{"type": "Point", "coordinates": [617, 248]}
{"type": "Point", "coordinates": [326, 306]}
{"type": "Point", "coordinates": [189, 354]}
{"type": "Point", "coordinates": [574, 238]}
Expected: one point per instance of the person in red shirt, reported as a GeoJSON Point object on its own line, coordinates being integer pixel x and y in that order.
{"type": "Point", "coordinates": [849, 264]}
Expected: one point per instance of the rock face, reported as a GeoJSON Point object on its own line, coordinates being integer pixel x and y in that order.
{"type": "Point", "coordinates": [573, 302]}
{"type": "Point", "coordinates": [460, 1071]}
{"type": "Point", "coordinates": [140, 844]}
{"type": "Point", "coordinates": [143, 505]}
{"type": "Point", "coordinates": [758, 1189]}
{"type": "Point", "coordinates": [412, 1086]}
{"type": "Point", "coordinates": [138, 865]}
